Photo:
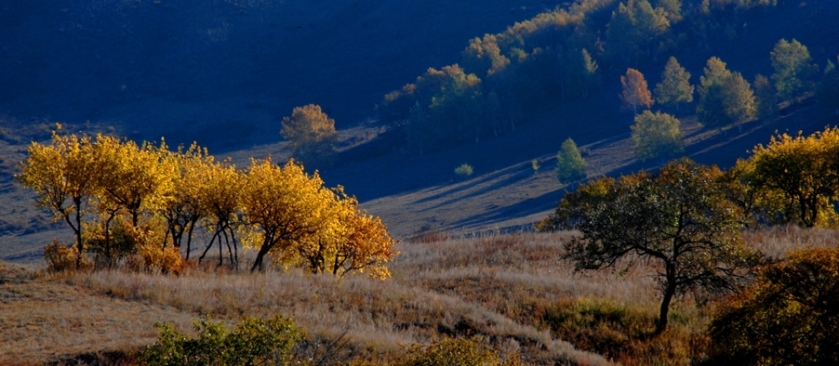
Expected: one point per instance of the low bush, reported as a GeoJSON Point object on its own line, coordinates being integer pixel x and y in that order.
{"type": "Point", "coordinates": [464, 170]}
{"type": "Point", "coordinates": [61, 258]}
{"type": "Point", "coordinates": [456, 351]}
{"type": "Point", "coordinates": [254, 342]}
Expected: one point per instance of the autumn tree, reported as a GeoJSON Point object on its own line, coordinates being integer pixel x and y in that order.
{"type": "Point", "coordinates": [724, 96]}
{"type": "Point", "coordinates": [675, 87]}
{"type": "Point", "coordinates": [181, 202]}
{"type": "Point", "coordinates": [678, 219]}
{"type": "Point", "coordinates": [656, 135]}
{"type": "Point", "coordinates": [63, 175]}
{"type": "Point", "coordinates": [804, 170]}
{"type": "Point", "coordinates": [793, 70]}
{"type": "Point", "coordinates": [350, 241]}
{"type": "Point", "coordinates": [635, 91]}
{"type": "Point", "coordinates": [591, 79]}
{"type": "Point", "coordinates": [220, 197]}
{"type": "Point", "coordinates": [790, 316]}
{"type": "Point", "coordinates": [570, 165]}
{"type": "Point", "coordinates": [287, 205]}
{"type": "Point", "coordinates": [311, 133]}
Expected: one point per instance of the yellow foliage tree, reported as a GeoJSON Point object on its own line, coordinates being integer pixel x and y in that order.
{"type": "Point", "coordinates": [286, 204]}
{"type": "Point", "coordinates": [805, 171]}
{"type": "Point", "coordinates": [220, 198]}
{"type": "Point", "coordinates": [310, 132]}
{"type": "Point", "coordinates": [63, 176]}
{"type": "Point", "coordinates": [181, 200]}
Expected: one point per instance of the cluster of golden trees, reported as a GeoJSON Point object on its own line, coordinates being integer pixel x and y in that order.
{"type": "Point", "coordinates": [122, 199]}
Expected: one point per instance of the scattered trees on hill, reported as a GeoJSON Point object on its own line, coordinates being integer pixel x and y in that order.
{"type": "Point", "coordinates": [788, 317]}
{"type": "Point", "coordinates": [678, 218]}
{"type": "Point", "coordinates": [675, 87]}
{"type": "Point", "coordinates": [311, 134]}
{"type": "Point", "coordinates": [793, 70]}
{"type": "Point", "coordinates": [656, 136]}
{"type": "Point", "coordinates": [502, 79]}
{"type": "Point", "coordinates": [570, 165]}
{"type": "Point", "coordinates": [134, 200]}
{"type": "Point", "coordinates": [724, 96]}
{"type": "Point", "coordinates": [635, 91]}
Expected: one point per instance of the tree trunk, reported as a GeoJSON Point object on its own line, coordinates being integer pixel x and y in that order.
{"type": "Point", "coordinates": [669, 291]}
{"type": "Point", "coordinates": [257, 263]}
{"type": "Point", "coordinates": [78, 231]}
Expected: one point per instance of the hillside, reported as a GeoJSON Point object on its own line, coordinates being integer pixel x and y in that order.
{"type": "Point", "coordinates": [227, 80]}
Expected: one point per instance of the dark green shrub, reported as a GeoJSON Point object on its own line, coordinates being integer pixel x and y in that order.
{"type": "Point", "coordinates": [254, 342]}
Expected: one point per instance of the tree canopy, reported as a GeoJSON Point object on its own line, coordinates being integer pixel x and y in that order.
{"type": "Point", "coordinates": [635, 91]}
{"type": "Point", "coordinates": [310, 132]}
{"type": "Point", "coordinates": [656, 135]}
{"type": "Point", "coordinates": [675, 87]}
{"type": "Point", "coordinates": [725, 97]}
{"type": "Point", "coordinates": [679, 219]}
{"type": "Point", "coordinates": [793, 71]}
{"type": "Point", "coordinates": [570, 165]}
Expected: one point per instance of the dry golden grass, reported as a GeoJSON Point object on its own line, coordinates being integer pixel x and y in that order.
{"type": "Point", "coordinates": [513, 290]}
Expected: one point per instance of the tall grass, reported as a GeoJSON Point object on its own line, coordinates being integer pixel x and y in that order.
{"type": "Point", "coordinates": [511, 290]}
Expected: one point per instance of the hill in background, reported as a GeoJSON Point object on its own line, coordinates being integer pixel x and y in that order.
{"type": "Point", "coordinates": [224, 74]}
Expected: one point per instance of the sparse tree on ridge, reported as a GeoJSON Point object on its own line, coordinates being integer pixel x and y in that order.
{"type": "Point", "coordinates": [674, 88]}
{"type": "Point", "coordinates": [635, 91]}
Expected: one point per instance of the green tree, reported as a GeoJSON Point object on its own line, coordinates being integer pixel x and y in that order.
{"type": "Point", "coordinates": [570, 165]}
{"type": "Point", "coordinates": [724, 96]}
{"type": "Point", "coordinates": [591, 79]}
{"type": "Point", "coordinates": [789, 317]}
{"type": "Point", "coordinates": [793, 71]}
{"type": "Point", "coordinates": [674, 88]}
{"type": "Point", "coordinates": [635, 92]}
{"type": "Point", "coordinates": [767, 106]}
{"type": "Point", "coordinates": [656, 135]}
{"type": "Point", "coordinates": [311, 133]}
{"type": "Point", "coordinates": [679, 219]}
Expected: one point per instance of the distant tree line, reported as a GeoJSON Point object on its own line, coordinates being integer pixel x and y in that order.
{"type": "Point", "coordinates": [503, 79]}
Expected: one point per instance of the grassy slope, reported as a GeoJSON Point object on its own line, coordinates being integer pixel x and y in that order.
{"type": "Point", "coordinates": [497, 287]}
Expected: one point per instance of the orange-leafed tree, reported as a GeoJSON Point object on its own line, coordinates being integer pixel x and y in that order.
{"type": "Point", "coordinates": [635, 91]}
